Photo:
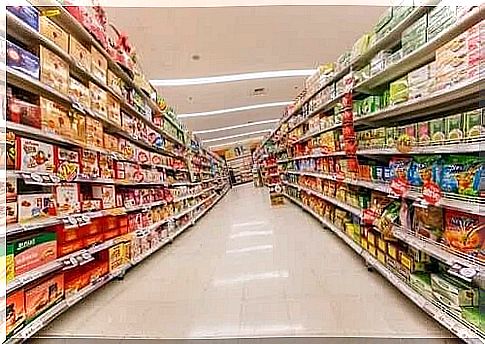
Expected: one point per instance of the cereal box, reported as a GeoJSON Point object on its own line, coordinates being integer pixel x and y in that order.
{"type": "Point", "coordinates": [80, 54]}
{"type": "Point", "coordinates": [99, 65]}
{"type": "Point", "coordinates": [35, 206]}
{"type": "Point", "coordinates": [54, 70]}
{"type": "Point", "coordinates": [55, 119]}
{"type": "Point", "coordinates": [67, 197]}
{"type": "Point", "coordinates": [53, 32]}
{"type": "Point", "coordinates": [34, 251]}
{"type": "Point", "coordinates": [35, 156]}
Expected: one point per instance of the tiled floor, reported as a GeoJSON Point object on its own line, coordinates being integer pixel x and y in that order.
{"type": "Point", "coordinates": [246, 270]}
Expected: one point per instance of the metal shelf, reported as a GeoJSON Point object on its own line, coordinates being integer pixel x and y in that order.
{"type": "Point", "coordinates": [457, 326]}
{"type": "Point", "coordinates": [470, 146]}
{"type": "Point", "coordinates": [422, 55]}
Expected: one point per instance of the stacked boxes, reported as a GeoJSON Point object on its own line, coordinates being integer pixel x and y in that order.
{"type": "Point", "coordinates": [440, 18]}
{"type": "Point", "coordinates": [451, 62]}
{"type": "Point", "coordinates": [414, 36]}
{"type": "Point", "coordinates": [421, 81]}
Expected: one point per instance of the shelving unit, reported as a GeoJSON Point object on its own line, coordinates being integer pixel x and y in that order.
{"type": "Point", "coordinates": [242, 167]}
{"type": "Point", "coordinates": [354, 153]}
{"type": "Point", "coordinates": [117, 179]}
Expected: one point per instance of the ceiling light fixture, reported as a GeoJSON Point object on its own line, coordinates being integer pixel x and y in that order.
{"type": "Point", "coordinates": [234, 77]}
{"type": "Point", "coordinates": [259, 138]}
{"type": "Point", "coordinates": [236, 136]}
{"type": "Point", "coordinates": [242, 108]}
{"type": "Point", "coordinates": [236, 126]}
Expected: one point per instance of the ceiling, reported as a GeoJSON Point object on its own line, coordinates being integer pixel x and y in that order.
{"type": "Point", "coordinates": [233, 40]}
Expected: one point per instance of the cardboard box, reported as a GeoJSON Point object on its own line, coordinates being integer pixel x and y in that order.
{"type": "Point", "coordinates": [475, 123]}
{"type": "Point", "coordinates": [55, 119]}
{"type": "Point", "coordinates": [107, 194]}
{"type": "Point", "coordinates": [99, 100]}
{"type": "Point", "coordinates": [34, 251]}
{"type": "Point", "coordinates": [372, 250]}
{"type": "Point", "coordinates": [35, 156]}
{"type": "Point", "coordinates": [26, 13]}
{"type": "Point", "coordinates": [437, 130]}
{"type": "Point", "coordinates": [421, 282]}
{"type": "Point", "coordinates": [22, 60]}
{"type": "Point", "coordinates": [454, 127]}
{"type": "Point", "coordinates": [43, 295]}
{"type": "Point", "coordinates": [113, 110]}
{"type": "Point", "coordinates": [54, 71]}
{"type": "Point", "coordinates": [78, 127]}
{"type": "Point", "coordinates": [79, 93]}
{"type": "Point", "coordinates": [11, 212]}
{"type": "Point", "coordinates": [53, 32]}
{"type": "Point", "coordinates": [9, 263]}
{"type": "Point", "coordinates": [381, 256]}
{"type": "Point", "coordinates": [15, 312]}
{"type": "Point", "coordinates": [80, 54]}
{"type": "Point", "coordinates": [69, 247]}
{"type": "Point", "coordinates": [67, 164]}
{"type": "Point", "coordinates": [398, 90]}
{"type": "Point", "coordinates": [89, 164]}
{"type": "Point", "coordinates": [23, 112]}
{"type": "Point", "coordinates": [99, 65]}
{"type": "Point", "coordinates": [67, 196]}
{"type": "Point", "coordinates": [94, 132]}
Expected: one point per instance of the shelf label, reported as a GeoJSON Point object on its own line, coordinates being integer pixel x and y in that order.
{"type": "Point", "coordinates": [431, 192]}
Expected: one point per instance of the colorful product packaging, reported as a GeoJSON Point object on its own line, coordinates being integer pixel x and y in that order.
{"type": "Point", "coordinates": [22, 60]}
{"type": "Point", "coordinates": [465, 233]}
{"type": "Point", "coordinates": [462, 174]}
{"type": "Point", "coordinates": [15, 312]}
{"type": "Point", "coordinates": [55, 119]}
{"type": "Point", "coordinates": [80, 54]}
{"type": "Point", "coordinates": [67, 197]}
{"type": "Point", "coordinates": [43, 295]}
{"type": "Point", "coordinates": [424, 169]}
{"type": "Point", "coordinates": [35, 156]}
{"type": "Point", "coordinates": [53, 32]}
{"type": "Point", "coordinates": [26, 13]}
{"type": "Point", "coordinates": [54, 71]}
{"type": "Point", "coordinates": [34, 251]}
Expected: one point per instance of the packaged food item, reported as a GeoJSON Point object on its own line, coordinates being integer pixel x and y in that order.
{"type": "Point", "coordinates": [34, 251]}
{"type": "Point", "coordinates": [94, 132]}
{"type": "Point", "coordinates": [35, 206]}
{"type": "Point", "coordinates": [462, 174]}
{"type": "Point", "coordinates": [9, 263]}
{"type": "Point", "coordinates": [454, 127]}
{"type": "Point", "coordinates": [53, 32]}
{"type": "Point", "coordinates": [452, 292]}
{"type": "Point", "coordinates": [99, 100]}
{"type": "Point", "coordinates": [398, 91]}
{"type": "Point", "coordinates": [79, 93]}
{"type": "Point", "coordinates": [78, 126]}
{"type": "Point", "coordinates": [415, 35]}
{"type": "Point", "coordinates": [55, 119]}
{"type": "Point", "coordinates": [15, 312]}
{"type": "Point", "coordinates": [437, 130]}
{"type": "Point", "coordinates": [424, 133]}
{"type": "Point", "coordinates": [106, 166]}
{"type": "Point", "coordinates": [99, 65]}
{"type": "Point", "coordinates": [54, 71]}
{"type": "Point", "coordinates": [35, 156]}
{"type": "Point", "coordinates": [424, 169]}
{"type": "Point", "coordinates": [421, 282]}
{"type": "Point", "coordinates": [80, 54]}
{"type": "Point", "coordinates": [474, 315]}
{"type": "Point", "coordinates": [89, 164]}
{"type": "Point", "coordinates": [20, 111]}
{"type": "Point", "coordinates": [111, 142]}
{"type": "Point", "coordinates": [11, 146]}
{"type": "Point", "coordinates": [67, 164]}
{"type": "Point", "coordinates": [464, 232]}
{"type": "Point", "coordinates": [43, 295]}
{"type": "Point", "coordinates": [11, 212]}
{"type": "Point", "coordinates": [115, 83]}
{"type": "Point", "coordinates": [22, 60]}
{"type": "Point", "coordinates": [113, 110]}
{"type": "Point", "coordinates": [26, 13]}
{"type": "Point", "coordinates": [428, 222]}
{"type": "Point", "coordinates": [475, 123]}
{"type": "Point", "coordinates": [107, 194]}
{"type": "Point", "coordinates": [399, 167]}
{"type": "Point", "coordinates": [67, 196]}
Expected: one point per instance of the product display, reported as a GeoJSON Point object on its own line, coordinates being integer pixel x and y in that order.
{"type": "Point", "coordinates": [100, 176]}
{"type": "Point", "coordinates": [412, 204]}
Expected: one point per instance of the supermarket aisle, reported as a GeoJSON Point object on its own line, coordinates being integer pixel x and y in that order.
{"type": "Point", "coordinates": [247, 269]}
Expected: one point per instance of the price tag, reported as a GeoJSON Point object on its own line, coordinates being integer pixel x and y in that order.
{"type": "Point", "coordinates": [33, 328]}
{"type": "Point", "coordinates": [50, 12]}
{"type": "Point", "coordinates": [431, 193]}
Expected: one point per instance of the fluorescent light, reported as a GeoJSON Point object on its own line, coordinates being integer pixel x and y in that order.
{"type": "Point", "coordinates": [250, 233]}
{"type": "Point", "coordinates": [252, 277]}
{"type": "Point", "coordinates": [234, 77]}
{"type": "Point", "coordinates": [242, 108]}
{"type": "Point", "coordinates": [259, 138]}
{"type": "Point", "coordinates": [249, 224]}
{"type": "Point", "coordinates": [235, 136]}
{"type": "Point", "coordinates": [236, 126]}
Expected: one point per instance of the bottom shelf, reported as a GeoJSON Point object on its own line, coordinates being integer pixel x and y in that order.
{"type": "Point", "coordinates": [456, 326]}
{"type": "Point", "coordinates": [45, 318]}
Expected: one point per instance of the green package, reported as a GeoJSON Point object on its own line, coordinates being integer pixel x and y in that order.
{"type": "Point", "coordinates": [398, 91]}
{"type": "Point", "coordinates": [391, 137]}
{"type": "Point", "coordinates": [454, 127]}
{"type": "Point", "coordinates": [474, 316]}
{"type": "Point", "coordinates": [437, 130]}
{"type": "Point", "coordinates": [474, 123]}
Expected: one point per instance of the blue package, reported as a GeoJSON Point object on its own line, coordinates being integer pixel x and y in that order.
{"type": "Point", "coordinates": [424, 168]}
{"type": "Point", "coordinates": [27, 13]}
{"type": "Point", "coordinates": [462, 175]}
{"type": "Point", "coordinates": [22, 60]}
{"type": "Point", "coordinates": [398, 168]}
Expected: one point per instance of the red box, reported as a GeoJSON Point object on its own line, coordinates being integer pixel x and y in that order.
{"type": "Point", "coordinates": [113, 233]}
{"type": "Point", "coordinates": [65, 234]}
{"type": "Point", "coordinates": [93, 239]}
{"type": "Point", "coordinates": [72, 281]}
{"type": "Point", "coordinates": [110, 222]}
{"type": "Point", "coordinates": [15, 311]}
{"type": "Point", "coordinates": [69, 247]}
{"type": "Point", "coordinates": [42, 295]}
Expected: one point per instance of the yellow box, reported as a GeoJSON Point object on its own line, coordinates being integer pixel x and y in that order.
{"type": "Point", "coordinates": [407, 262]}
{"type": "Point", "coordinates": [371, 238]}
{"type": "Point", "coordinates": [382, 244]}
{"type": "Point", "coordinates": [392, 251]}
{"type": "Point", "coordinates": [372, 250]}
{"type": "Point", "coordinates": [54, 32]}
{"type": "Point", "coordinates": [80, 54]}
{"type": "Point", "coordinates": [381, 256]}
{"type": "Point", "coordinates": [54, 71]}
{"type": "Point", "coordinates": [364, 243]}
